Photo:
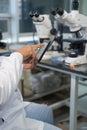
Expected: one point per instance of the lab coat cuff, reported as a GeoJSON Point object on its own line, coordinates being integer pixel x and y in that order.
{"type": "Point", "coordinates": [19, 55]}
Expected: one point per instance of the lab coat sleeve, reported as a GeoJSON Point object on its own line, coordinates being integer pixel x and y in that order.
{"type": "Point", "coordinates": [10, 74]}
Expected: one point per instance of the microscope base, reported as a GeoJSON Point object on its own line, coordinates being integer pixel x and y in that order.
{"type": "Point", "coordinates": [76, 61]}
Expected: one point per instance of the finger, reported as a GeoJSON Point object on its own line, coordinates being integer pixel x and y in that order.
{"type": "Point", "coordinates": [35, 61]}
{"type": "Point", "coordinates": [38, 45]}
{"type": "Point", "coordinates": [28, 59]}
{"type": "Point", "coordinates": [34, 53]}
{"type": "Point", "coordinates": [28, 66]}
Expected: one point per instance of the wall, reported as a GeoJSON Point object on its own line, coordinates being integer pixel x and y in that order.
{"type": "Point", "coordinates": [83, 7]}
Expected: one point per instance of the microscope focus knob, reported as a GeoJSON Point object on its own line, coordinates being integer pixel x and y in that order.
{"type": "Point", "coordinates": [53, 31]}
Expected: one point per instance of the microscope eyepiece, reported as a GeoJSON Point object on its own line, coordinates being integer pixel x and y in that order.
{"type": "Point", "coordinates": [60, 11]}
{"type": "Point", "coordinates": [31, 14]}
{"type": "Point", "coordinates": [36, 14]}
{"type": "Point", "coordinates": [53, 12]}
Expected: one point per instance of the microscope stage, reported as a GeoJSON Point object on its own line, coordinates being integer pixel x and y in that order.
{"type": "Point", "coordinates": [77, 60]}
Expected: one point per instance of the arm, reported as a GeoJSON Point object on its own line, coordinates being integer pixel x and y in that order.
{"type": "Point", "coordinates": [11, 69]}
{"type": "Point", "coordinates": [10, 74]}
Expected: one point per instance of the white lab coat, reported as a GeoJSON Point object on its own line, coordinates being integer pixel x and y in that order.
{"type": "Point", "coordinates": [12, 114]}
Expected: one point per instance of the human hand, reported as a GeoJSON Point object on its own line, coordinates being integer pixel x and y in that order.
{"type": "Point", "coordinates": [29, 55]}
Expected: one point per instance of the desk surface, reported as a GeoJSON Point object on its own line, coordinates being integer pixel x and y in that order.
{"type": "Point", "coordinates": [79, 70]}
{"type": "Point", "coordinates": [4, 52]}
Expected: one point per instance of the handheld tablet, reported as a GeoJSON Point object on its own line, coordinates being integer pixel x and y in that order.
{"type": "Point", "coordinates": [42, 50]}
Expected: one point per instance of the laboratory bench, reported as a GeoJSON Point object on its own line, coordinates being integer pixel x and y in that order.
{"type": "Point", "coordinates": [76, 74]}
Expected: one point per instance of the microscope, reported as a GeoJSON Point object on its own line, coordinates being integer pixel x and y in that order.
{"type": "Point", "coordinates": [77, 24]}
{"type": "Point", "coordinates": [42, 24]}
{"type": "Point", "coordinates": [46, 31]}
